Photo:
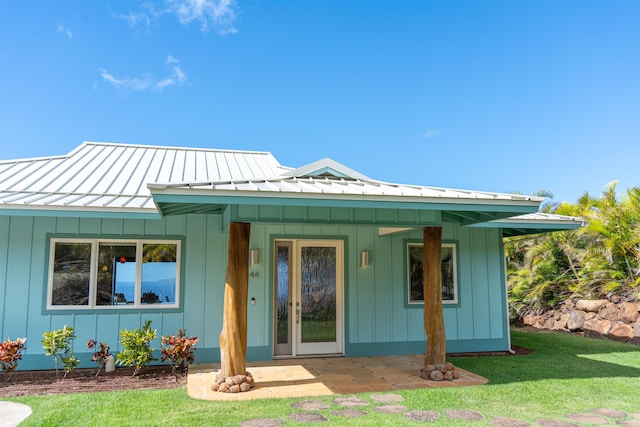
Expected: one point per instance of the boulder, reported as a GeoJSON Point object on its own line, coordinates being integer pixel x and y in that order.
{"type": "Point", "coordinates": [530, 319]}
{"type": "Point", "coordinates": [620, 331]}
{"type": "Point", "coordinates": [569, 305]}
{"type": "Point", "coordinates": [549, 323]}
{"type": "Point", "coordinates": [436, 376]}
{"type": "Point", "coordinates": [575, 322]}
{"type": "Point", "coordinates": [609, 311]}
{"type": "Point", "coordinates": [629, 312]}
{"type": "Point", "coordinates": [636, 333]}
{"type": "Point", "coordinates": [561, 323]}
{"type": "Point", "coordinates": [239, 379]}
{"type": "Point", "coordinates": [616, 299]}
{"type": "Point", "coordinates": [595, 328]}
{"type": "Point", "coordinates": [592, 306]}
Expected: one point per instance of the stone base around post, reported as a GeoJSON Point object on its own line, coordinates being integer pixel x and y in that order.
{"type": "Point", "coordinates": [441, 372]}
{"type": "Point", "coordinates": [234, 384]}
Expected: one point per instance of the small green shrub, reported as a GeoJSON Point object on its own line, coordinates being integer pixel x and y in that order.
{"type": "Point", "coordinates": [178, 350]}
{"type": "Point", "coordinates": [99, 356]}
{"type": "Point", "coordinates": [57, 344]}
{"type": "Point", "coordinates": [10, 353]}
{"type": "Point", "coordinates": [137, 347]}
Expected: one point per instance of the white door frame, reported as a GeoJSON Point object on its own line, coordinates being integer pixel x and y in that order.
{"type": "Point", "coordinates": [299, 348]}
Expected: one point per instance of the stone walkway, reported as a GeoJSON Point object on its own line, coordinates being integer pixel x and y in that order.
{"type": "Point", "coordinates": [12, 413]}
{"type": "Point", "coordinates": [322, 376]}
{"type": "Point", "coordinates": [316, 411]}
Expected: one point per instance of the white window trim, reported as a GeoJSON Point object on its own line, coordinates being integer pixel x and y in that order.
{"type": "Point", "coordinates": [453, 301]}
{"type": "Point", "coordinates": [137, 305]}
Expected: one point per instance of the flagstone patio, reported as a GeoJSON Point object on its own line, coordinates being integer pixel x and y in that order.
{"type": "Point", "coordinates": [324, 376]}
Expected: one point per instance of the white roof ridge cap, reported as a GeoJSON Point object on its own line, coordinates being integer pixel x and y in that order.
{"type": "Point", "coordinates": [72, 193]}
{"type": "Point", "coordinates": [444, 189]}
{"type": "Point", "coordinates": [36, 159]}
{"type": "Point", "coordinates": [177, 148]}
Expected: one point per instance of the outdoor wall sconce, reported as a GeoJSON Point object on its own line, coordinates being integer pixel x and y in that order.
{"type": "Point", "coordinates": [254, 258]}
{"type": "Point", "coordinates": [364, 259]}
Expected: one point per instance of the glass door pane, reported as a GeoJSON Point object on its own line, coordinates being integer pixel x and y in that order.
{"type": "Point", "coordinates": [283, 299]}
{"type": "Point", "coordinates": [318, 294]}
{"type": "Point", "coordinates": [319, 283]}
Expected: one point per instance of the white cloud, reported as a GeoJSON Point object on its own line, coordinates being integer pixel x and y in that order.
{"type": "Point", "coordinates": [146, 81]}
{"type": "Point", "coordinates": [65, 30]}
{"type": "Point", "coordinates": [175, 69]}
{"type": "Point", "coordinates": [109, 78]}
{"type": "Point", "coordinates": [164, 83]}
{"type": "Point", "coordinates": [432, 133]}
{"type": "Point", "coordinates": [217, 14]}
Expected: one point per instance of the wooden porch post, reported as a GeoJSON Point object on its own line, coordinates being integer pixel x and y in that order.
{"type": "Point", "coordinates": [233, 338]}
{"type": "Point", "coordinates": [432, 289]}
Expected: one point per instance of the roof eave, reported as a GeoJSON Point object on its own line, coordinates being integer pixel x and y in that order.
{"type": "Point", "coordinates": [82, 212]}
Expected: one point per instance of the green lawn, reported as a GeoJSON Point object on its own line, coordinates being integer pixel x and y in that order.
{"type": "Point", "coordinates": [565, 374]}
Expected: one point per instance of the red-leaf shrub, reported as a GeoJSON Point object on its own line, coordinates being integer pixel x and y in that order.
{"type": "Point", "coordinates": [178, 350]}
{"type": "Point", "coordinates": [10, 353]}
{"type": "Point", "coordinates": [101, 355]}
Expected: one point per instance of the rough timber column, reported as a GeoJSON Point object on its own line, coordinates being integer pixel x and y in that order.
{"type": "Point", "coordinates": [432, 288]}
{"type": "Point", "coordinates": [233, 338]}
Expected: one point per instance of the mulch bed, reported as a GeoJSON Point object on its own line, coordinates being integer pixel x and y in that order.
{"type": "Point", "coordinates": [34, 383]}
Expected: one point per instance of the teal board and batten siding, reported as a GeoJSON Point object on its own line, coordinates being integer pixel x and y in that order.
{"type": "Point", "coordinates": [23, 283]}
{"type": "Point", "coordinates": [378, 319]}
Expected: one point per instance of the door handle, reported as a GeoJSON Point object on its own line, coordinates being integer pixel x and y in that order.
{"type": "Point", "coordinates": [297, 315]}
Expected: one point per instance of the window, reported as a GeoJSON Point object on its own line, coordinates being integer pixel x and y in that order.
{"type": "Point", "coordinates": [109, 273]}
{"type": "Point", "coordinates": [449, 273]}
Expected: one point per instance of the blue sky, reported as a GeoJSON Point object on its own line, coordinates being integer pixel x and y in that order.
{"type": "Point", "coordinates": [485, 95]}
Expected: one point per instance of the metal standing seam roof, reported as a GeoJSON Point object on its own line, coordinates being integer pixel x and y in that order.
{"type": "Point", "coordinates": [331, 186]}
{"type": "Point", "coordinates": [121, 178]}
{"type": "Point", "coordinates": [114, 177]}
{"type": "Point", "coordinates": [533, 223]}
{"type": "Point", "coordinates": [541, 216]}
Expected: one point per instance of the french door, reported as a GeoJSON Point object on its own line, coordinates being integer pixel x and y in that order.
{"type": "Point", "coordinates": [308, 302]}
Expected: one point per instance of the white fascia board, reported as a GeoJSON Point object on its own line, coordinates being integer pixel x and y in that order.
{"type": "Point", "coordinates": [79, 211]}
{"type": "Point", "coordinates": [524, 206]}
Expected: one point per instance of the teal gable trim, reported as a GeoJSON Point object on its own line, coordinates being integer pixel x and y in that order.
{"type": "Point", "coordinates": [327, 170]}
{"type": "Point", "coordinates": [80, 213]}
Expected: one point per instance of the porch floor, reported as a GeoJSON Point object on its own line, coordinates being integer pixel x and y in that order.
{"type": "Point", "coordinates": [324, 376]}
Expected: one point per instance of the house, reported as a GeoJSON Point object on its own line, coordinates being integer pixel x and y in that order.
{"type": "Point", "coordinates": [111, 235]}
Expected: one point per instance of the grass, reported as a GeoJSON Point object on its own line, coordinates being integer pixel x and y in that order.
{"type": "Point", "coordinates": [565, 374]}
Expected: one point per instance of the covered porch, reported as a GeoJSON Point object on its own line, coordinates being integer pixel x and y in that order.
{"type": "Point", "coordinates": [324, 376]}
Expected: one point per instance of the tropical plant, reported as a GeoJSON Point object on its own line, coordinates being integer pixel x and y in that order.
{"type": "Point", "coordinates": [57, 344]}
{"type": "Point", "coordinates": [601, 259]}
{"type": "Point", "coordinates": [178, 350]}
{"type": "Point", "coordinates": [137, 352]}
{"type": "Point", "coordinates": [10, 353]}
{"type": "Point", "coordinates": [101, 355]}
